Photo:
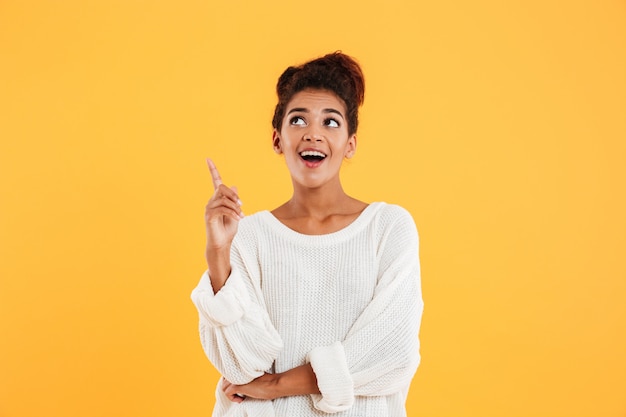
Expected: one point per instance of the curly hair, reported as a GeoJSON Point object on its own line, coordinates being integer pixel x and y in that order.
{"type": "Point", "coordinates": [336, 72]}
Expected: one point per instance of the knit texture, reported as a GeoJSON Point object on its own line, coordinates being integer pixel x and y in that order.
{"type": "Point", "coordinates": [348, 302]}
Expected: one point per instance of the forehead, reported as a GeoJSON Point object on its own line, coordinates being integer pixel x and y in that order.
{"type": "Point", "coordinates": [314, 99]}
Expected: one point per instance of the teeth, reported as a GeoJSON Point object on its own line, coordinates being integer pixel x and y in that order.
{"type": "Point", "coordinates": [313, 153]}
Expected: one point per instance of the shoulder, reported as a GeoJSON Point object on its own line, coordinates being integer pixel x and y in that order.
{"type": "Point", "coordinates": [394, 211]}
{"type": "Point", "coordinates": [394, 229]}
{"type": "Point", "coordinates": [393, 215]}
{"type": "Point", "coordinates": [396, 237]}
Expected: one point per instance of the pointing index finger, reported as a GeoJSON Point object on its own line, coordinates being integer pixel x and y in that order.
{"type": "Point", "coordinates": [215, 175]}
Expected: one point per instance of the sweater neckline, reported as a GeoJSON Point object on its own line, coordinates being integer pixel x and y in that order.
{"type": "Point", "coordinates": [357, 224]}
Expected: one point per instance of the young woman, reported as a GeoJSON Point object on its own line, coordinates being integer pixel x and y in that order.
{"type": "Point", "coordinates": [314, 307]}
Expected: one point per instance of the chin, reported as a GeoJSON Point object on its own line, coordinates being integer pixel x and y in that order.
{"type": "Point", "coordinates": [306, 181]}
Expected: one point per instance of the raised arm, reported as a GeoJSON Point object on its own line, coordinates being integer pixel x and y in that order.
{"type": "Point", "coordinates": [222, 215]}
{"type": "Point", "coordinates": [235, 330]}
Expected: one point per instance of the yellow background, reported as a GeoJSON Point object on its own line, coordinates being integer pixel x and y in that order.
{"type": "Point", "coordinates": [500, 125]}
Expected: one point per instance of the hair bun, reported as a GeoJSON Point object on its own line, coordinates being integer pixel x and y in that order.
{"type": "Point", "coordinates": [335, 72]}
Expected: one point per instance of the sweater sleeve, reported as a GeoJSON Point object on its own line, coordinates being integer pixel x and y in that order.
{"type": "Point", "coordinates": [235, 330]}
{"type": "Point", "coordinates": [380, 353]}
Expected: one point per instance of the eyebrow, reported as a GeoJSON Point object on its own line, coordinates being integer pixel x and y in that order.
{"type": "Point", "coordinates": [305, 110]}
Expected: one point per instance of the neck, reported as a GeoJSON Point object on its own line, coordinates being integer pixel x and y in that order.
{"type": "Point", "coordinates": [318, 202]}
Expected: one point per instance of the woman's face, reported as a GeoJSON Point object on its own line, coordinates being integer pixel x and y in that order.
{"type": "Point", "coordinates": [314, 137]}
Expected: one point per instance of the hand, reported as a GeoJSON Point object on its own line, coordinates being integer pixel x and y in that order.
{"type": "Point", "coordinates": [223, 212]}
{"type": "Point", "coordinates": [222, 215]}
{"type": "Point", "coordinates": [262, 388]}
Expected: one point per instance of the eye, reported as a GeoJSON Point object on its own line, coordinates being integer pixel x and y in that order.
{"type": "Point", "coordinates": [331, 123]}
{"type": "Point", "coordinates": [297, 121]}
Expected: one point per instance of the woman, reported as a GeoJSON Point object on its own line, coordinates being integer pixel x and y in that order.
{"type": "Point", "coordinates": [314, 307]}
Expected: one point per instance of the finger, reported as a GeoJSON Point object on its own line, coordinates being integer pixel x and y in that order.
{"type": "Point", "coordinates": [236, 191]}
{"type": "Point", "coordinates": [224, 191]}
{"type": "Point", "coordinates": [215, 175]}
{"type": "Point", "coordinates": [223, 201]}
{"type": "Point", "coordinates": [216, 214]}
{"type": "Point", "coordinates": [232, 393]}
{"type": "Point", "coordinates": [236, 398]}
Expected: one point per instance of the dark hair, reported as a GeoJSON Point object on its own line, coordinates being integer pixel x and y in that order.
{"type": "Point", "coordinates": [334, 72]}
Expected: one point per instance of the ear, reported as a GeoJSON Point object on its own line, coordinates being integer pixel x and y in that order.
{"type": "Point", "coordinates": [351, 147]}
{"type": "Point", "coordinates": [276, 142]}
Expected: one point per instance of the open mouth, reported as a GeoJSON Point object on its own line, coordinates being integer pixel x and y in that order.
{"type": "Point", "coordinates": [312, 156]}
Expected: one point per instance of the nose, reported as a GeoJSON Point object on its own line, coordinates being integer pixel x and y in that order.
{"type": "Point", "coordinates": [312, 137]}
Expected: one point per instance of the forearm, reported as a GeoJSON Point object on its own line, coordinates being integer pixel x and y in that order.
{"type": "Point", "coordinates": [297, 381]}
{"type": "Point", "coordinates": [218, 261]}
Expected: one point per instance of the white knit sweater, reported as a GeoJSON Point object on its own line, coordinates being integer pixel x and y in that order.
{"type": "Point", "coordinates": [348, 302]}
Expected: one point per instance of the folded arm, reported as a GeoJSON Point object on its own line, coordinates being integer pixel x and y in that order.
{"type": "Point", "coordinates": [380, 354]}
